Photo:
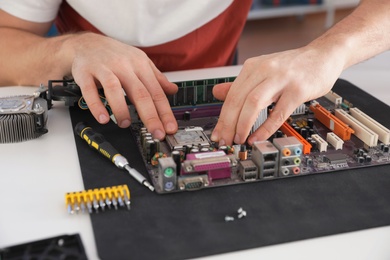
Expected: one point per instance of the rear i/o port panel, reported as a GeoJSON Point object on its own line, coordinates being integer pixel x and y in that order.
{"type": "Point", "coordinates": [266, 156]}
{"type": "Point", "coordinates": [188, 160]}
{"type": "Point", "coordinates": [290, 150]}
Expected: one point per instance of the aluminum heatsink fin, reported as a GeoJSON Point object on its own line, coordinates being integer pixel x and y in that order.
{"type": "Point", "coordinates": [22, 118]}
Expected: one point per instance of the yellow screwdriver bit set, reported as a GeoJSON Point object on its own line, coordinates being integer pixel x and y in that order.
{"type": "Point", "coordinates": [95, 200]}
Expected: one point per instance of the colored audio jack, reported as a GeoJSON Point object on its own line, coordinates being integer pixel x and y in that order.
{"type": "Point", "coordinates": [94, 199]}
{"type": "Point", "coordinates": [99, 143]}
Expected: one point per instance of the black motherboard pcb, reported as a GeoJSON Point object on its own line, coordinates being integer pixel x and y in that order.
{"type": "Point", "coordinates": [325, 135]}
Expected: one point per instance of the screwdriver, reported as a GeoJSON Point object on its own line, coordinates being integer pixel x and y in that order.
{"type": "Point", "coordinates": [99, 143]}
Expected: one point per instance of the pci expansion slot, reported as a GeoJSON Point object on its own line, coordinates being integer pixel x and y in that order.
{"type": "Point", "coordinates": [364, 133]}
{"type": "Point", "coordinates": [332, 122]}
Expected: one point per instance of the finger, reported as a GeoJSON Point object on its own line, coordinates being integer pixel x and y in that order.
{"type": "Point", "coordinates": [114, 93]}
{"type": "Point", "coordinates": [142, 100]}
{"type": "Point", "coordinates": [91, 96]}
{"type": "Point", "coordinates": [220, 91]}
{"type": "Point", "coordinates": [150, 81]}
{"type": "Point", "coordinates": [168, 87]}
{"type": "Point", "coordinates": [225, 129]}
{"type": "Point", "coordinates": [284, 107]}
{"type": "Point", "coordinates": [258, 99]}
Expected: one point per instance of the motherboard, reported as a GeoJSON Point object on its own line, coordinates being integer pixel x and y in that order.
{"type": "Point", "coordinates": [324, 135]}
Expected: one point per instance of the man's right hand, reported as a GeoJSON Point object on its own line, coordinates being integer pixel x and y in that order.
{"type": "Point", "coordinates": [29, 58]}
{"type": "Point", "coordinates": [99, 61]}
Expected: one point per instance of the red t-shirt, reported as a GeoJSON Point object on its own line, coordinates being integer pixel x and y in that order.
{"type": "Point", "coordinates": [211, 45]}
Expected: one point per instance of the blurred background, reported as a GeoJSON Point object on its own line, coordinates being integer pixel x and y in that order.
{"type": "Point", "coordinates": [277, 25]}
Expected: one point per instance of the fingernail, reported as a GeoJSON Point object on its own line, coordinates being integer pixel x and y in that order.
{"type": "Point", "coordinates": [221, 142]}
{"type": "Point", "coordinates": [103, 119]}
{"type": "Point", "coordinates": [171, 127]}
{"type": "Point", "coordinates": [214, 136]}
{"type": "Point", "coordinates": [237, 139]}
{"type": "Point", "coordinates": [158, 134]}
{"type": "Point", "coordinates": [252, 140]}
{"type": "Point", "coordinates": [125, 123]}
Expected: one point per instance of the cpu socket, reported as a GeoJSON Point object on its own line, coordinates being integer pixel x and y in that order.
{"type": "Point", "coordinates": [189, 136]}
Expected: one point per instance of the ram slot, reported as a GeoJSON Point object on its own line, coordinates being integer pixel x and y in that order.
{"type": "Point", "coordinates": [382, 132]}
{"type": "Point", "coordinates": [289, 131]}
{"type": "Point", "coordinates": [333, 97]}
{"type": "Point", "coordinates": [334, 140]}
{"type": "Point", "coordinates": [321, 143]}
{"type": "Point", "coordinates": [332, 122]}
{"type": "Point", "coordinates": [361, 131]}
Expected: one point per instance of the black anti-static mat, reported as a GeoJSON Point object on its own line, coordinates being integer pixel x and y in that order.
{"type": "Point", "coordinates": [191, 224]}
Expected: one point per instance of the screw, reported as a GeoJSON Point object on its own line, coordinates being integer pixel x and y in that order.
{"type": "Point", "coordinates": [229, 218]}
{"type": "Point", "coordinates": [242, 214]}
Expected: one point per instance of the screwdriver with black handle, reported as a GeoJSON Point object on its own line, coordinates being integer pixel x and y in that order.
{"type": "Point", "coordinates": [99, 143]}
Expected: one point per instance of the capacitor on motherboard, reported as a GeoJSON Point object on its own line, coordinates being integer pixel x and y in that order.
{"type": "Point", "coordinates": [142, 137]}
{"type": "Point", "coordinates": [310, 123]}
{"type": "Point", "coordinates": [313, 145]}
{"type": "Point", "coordinates": [304, 132]}
{"type": "Point", "coordinates": [279, 134]}
{"type": "Point", "coordinates": [194, 150]}
{"type": "Point", "coordinates": [243, 154]}
{"type": "Point", "coordinates": [223, 148]}
{"type": "Point", "coordinates": [158, 145]}
{"type": "Point", "coordinates": [204, 149]}
{"type": "Point", "coordinates": [187, 116]}
{"type": "Point", "coordinates": [143, 130]}
{"type": "Point", "coordinates": [236, 150]}
{"type": "Point", "coordinates": [146, 136]}
{"type": "Point", "coordinates": [150, 149]}
{"type": "Point", "coordinates": [145, 145]}
{"type": "Point", "coordinates": [308, 161]}
{"type": "Point", "coordinates": [177, 159]}
{"type": "Point", "coordinates": [360, 159]}
{"type": "Point", "coordinates": [188, 148]}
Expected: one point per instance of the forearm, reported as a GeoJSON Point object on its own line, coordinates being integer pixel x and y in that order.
{"type": "Point", "coordinates": [28, 59]}
{"type": "Point", "coordinates": [362, 35]}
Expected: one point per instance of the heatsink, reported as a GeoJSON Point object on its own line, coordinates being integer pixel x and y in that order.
{"type": "Point", "coordinates": [22, 118]}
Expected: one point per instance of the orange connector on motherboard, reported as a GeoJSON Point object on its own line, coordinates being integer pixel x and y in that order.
{"type": "Point", "coordinates": [332, 122]}
{"type": "Point", "coordinates": [289, 131]}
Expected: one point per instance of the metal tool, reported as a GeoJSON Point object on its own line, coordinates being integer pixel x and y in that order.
{"type": "Point", "coordinates": [99, 143]}
{"type": "Point", "coordinates": [94, 199]}
{"type": "Point", "coordinates": [22, 118]}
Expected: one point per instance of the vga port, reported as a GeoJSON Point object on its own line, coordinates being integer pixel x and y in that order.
{"type": "Point", "coordinates": [193, 182]}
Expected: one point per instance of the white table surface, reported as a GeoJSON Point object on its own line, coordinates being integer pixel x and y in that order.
{"type": "Point", "coordinates": [35, 175]}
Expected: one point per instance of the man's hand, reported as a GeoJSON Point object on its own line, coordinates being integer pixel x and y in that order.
{"type": "Point", "coordinates": [287, 79]}
{"type": "Point", "coordinates": [99, 61]}
{"type": "Point", "coordinates": [293, 77]}
{"type": "Point", "coordinates": [94, 61]}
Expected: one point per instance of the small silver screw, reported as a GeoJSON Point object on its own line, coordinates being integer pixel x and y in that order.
{"type": "Point", "coordinates": [242, 214]}
{"type": "Point", "coordinates": [229, 218]}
